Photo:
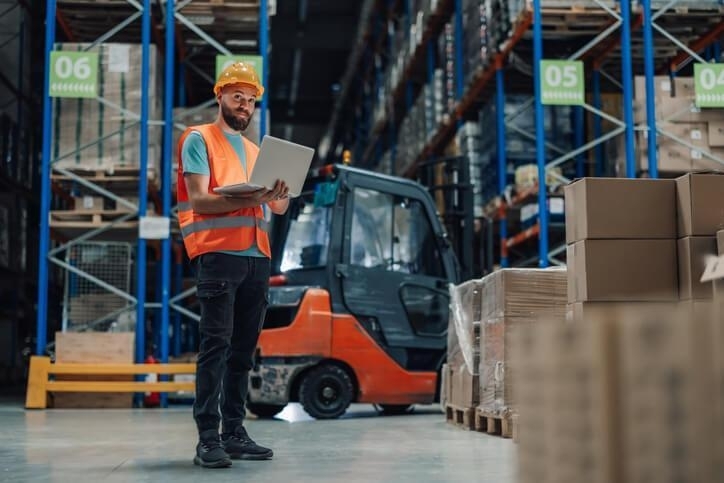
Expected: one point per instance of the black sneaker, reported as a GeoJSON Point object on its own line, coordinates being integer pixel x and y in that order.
{"type": "Point", "coordinates": [210, 453]}
{"type": "Point", "coordinates": [241, 447]}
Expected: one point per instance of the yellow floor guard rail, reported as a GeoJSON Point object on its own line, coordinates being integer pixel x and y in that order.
{"type": "Point", "coordinates": [40, 384]}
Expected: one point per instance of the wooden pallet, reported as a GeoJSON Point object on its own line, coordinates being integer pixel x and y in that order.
{"type": "Point", "coordinates": [488, 422]}
{"type": "Point", "coordinates": [113, 173]}
{"type": "Point", "coordinates": [96, 218]}
{"type": "Point", "coordinates": [119, 181]}
{"type": "Point", "coordinates": [460, 417]}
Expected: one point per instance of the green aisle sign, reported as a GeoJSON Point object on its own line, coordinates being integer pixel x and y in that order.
{"type": "Point", "coordinates": [73, 74]}
{"type": "Point", "coordinates": [562, 82]}
{"type": "Point", "coordinates": [709, 85]}
{"type": "Point", "coordinates": [224, 61]}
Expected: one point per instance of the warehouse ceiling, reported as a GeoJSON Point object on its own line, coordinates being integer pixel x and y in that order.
{"type": "Point", "coordinates": [311, 42]}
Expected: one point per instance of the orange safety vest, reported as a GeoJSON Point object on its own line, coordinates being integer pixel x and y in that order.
{"type": "Point", "coordinates": [236, 230]}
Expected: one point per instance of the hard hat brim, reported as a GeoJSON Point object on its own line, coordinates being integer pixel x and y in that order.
{"type": "Point", "coordinates": [219, 86]}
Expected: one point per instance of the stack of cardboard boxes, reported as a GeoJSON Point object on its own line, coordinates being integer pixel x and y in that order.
{"type": "Point", "coordinates": [89, 134]}
{"type": "Point", "coordinates": [484, 313]}
{"type": "Point", "coordinates": [630, 389]}
{"type": "Point", "coordinates": [565, 403]}
{"type": "Point", "coordinates": [512, 298]}
{"type": "Point", "coordinates": [621, 236]}
{"type": "Point", "coordinates": [677, 114]}
{"type": "Point", "coordinates": [717, 338]}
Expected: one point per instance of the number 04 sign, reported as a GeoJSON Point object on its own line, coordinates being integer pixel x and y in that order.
{"type": "Point", "coordinates": [709, 85]}
{"type": "Point", "coordinates": [562, 82]}
{"type": "Point", "coordinates": [73, 74]}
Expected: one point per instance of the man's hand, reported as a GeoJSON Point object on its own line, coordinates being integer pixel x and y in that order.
{"type": "Point", "coordinates": [262, 195]}
{"type": "Point", "coordinates": [204, 202]}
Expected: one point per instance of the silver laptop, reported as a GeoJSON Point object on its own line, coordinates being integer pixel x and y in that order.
{"type": "Point", "coordinates": [278, 159]}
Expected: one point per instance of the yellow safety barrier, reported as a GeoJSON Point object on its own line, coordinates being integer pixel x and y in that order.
{"type": "Point", "coordinates": [40, 384]}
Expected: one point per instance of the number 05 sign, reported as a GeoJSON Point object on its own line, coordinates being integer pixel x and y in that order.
{"type": "Point", "coordinates": [73, 74]}
{"type": "Point", "coordinates": [561, 82]}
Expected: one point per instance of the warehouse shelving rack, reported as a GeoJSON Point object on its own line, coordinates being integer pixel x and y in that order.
{"type": "Point", "coordinates": [601, 34]}
{"type": "Point", "coordinates": [169, 24]}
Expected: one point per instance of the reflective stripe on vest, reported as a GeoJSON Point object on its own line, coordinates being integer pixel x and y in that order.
{"type": "Point", "coordinates": [184, 206]}
{"type": "Point", "coordinates": [225, 222]}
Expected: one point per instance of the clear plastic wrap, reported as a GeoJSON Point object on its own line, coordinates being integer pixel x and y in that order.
{"type": "Point", "coordinates": [463, 343]}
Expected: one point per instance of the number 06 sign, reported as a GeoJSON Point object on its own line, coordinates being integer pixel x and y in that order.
{"type": "Point", "coordinates": [561, 82]}
{"type": "Point", "coordinates": [73, 74]}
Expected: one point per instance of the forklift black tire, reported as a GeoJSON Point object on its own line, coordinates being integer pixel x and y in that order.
{"type": "Point", "coordinates": [395, 409]}
{"type": "Point", "coordinates": [326, 392]}
{"type": "Point", "coordinates": [265, 411]}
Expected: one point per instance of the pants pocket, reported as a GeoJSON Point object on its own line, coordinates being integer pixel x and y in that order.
{"type": "Point", "coordinates": [216, 302]}
{"type": "Point", "coordinates": [209, 289]}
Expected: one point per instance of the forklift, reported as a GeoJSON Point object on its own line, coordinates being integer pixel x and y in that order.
{"type": "Point", "coordinates": [358, 300]}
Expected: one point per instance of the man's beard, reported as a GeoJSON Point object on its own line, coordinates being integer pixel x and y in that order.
{"type": "Point", "coordinates": [232, 120]}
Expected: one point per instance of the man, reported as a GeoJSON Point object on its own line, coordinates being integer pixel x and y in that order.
{"type": "Point", "coordinates": [227, 242]}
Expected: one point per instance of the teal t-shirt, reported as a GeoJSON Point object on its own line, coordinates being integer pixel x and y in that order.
{"type": "Point", "coordinates": [195, 160]}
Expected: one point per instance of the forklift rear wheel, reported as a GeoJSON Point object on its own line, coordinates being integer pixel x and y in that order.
{"type": "Point", "coordinates": [265, 410]}
{"type": "Point", "coordinates": [395, 409]}
{"type": "Point", "coordinates": [326, 392]}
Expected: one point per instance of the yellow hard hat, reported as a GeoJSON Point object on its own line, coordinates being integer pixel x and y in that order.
{"type": "Point", "coordinates": [239, 73]}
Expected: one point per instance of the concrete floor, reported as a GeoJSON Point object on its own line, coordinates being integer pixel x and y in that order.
{"type": "Point", "coordinates": [84, 446]}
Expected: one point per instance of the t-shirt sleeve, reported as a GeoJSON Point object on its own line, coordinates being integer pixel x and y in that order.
{"type": "Point", "coordinates": [194, 156]}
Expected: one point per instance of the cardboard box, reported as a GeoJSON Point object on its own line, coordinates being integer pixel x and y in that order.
{"type": "Point", "coordinates": [663, 373]}
{"type": "Point", "coordinates": [464, 388]}
{"type": "Point", "coordinates": [622, 270]}
{"type": "Point", "coordinates": [88, 203]}
{"type": "Point", "coordinates": [684, 87]}
{"type": "Point", "coordinates": [718, 340]}
{"type": "Point", "coordinates": [716, 134]}
{"type": "Point", "coordinates": [662, 87]}
{"type": "Point", "coordinates": [684, 109]}
{"type": "Point", "coordinates": [587, 312]}
{"type": "Point", "coordinates": [706, 163]}
{"type": "Point", "coordinates": [90, 348]}
{"type": "Point", "coordinates": [612, 208]}
{"type": "Point", "coordinates": [511, 298]}
{"type": "Point", "coordinates": [700, 202]}
{"type": "Point", "coordinates": [567, 413]}
{"type": "Point", "coordinates": [692, 254]}
{"type": "Point", "coordinates": [674, 157]}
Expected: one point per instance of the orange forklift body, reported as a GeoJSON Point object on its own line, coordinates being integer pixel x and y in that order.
{"type": "Point", "coordinates": [317, 332]}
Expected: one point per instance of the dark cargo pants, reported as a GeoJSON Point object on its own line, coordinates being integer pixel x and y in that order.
{"type": "Point", "coordinates": [233, 294]}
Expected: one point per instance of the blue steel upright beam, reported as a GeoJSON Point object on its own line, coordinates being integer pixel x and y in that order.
{"type": "Point", "coordinates": [597, 124]}
{"type": "Point", "coordinates": [540, 148]}
{"type": "Point", "coordinates": [264, 52]}
{"type": "Point", "coordinates": [627, 74]}
{"type": "Point", "coordinates": [166, 166]}
{"type": "Point", "coordinates": [459, 85]}
{"type": "Point", "coordinates": [143, 184]}
{"type": "Point", "coordinates": [650, 90]}
{"type": "Point", "coordinates": [502, 158]}
{"type": "Point", "coordinates": [45, 194]}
